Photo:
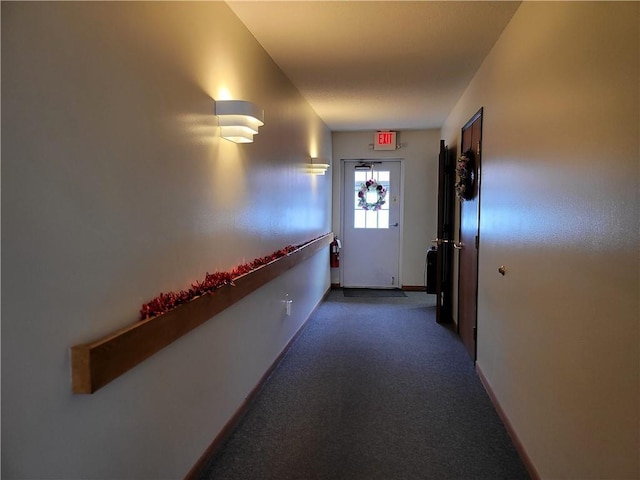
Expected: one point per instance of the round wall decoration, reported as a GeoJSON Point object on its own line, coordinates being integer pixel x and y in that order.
{"type": "Point", "coordinates": [372, 195]}
{"type": "Point", "coordinates": [466, 171]}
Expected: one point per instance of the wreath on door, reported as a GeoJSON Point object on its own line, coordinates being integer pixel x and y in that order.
{"type": "Point", "coordinates": [367, 190]}
{"type": "Point", "coordinates": [466, 171]}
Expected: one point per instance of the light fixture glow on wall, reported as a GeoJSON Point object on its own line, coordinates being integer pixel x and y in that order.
{"type": "Point", "coordinates": [239, 120]}
{"type": "Point", "coordinates": [318, 168]}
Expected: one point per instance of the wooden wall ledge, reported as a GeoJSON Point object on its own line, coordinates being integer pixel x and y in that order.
{"type": "Point", "coordinates": [95, 364]}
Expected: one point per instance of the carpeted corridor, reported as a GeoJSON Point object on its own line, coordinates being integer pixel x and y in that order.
{"type": "Point", "coordinates": [372, 389]}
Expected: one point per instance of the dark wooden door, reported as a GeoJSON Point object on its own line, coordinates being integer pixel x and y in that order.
{"type": "Point", "coordinates": [470, 239]}
{"type": "Point", "coordinates": [444, 240]}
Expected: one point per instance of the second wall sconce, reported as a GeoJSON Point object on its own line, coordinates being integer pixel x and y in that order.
{"type": "Point", "coordinates": [239, 120]}
{"type": "Point", "coordinates": [318, 168]}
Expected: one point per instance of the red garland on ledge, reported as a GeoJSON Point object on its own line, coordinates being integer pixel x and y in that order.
{"type": "Point", "coordinates": [212, 281]}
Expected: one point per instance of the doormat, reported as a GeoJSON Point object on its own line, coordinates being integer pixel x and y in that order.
{"type": "Point", "coordinates": [371, 292]}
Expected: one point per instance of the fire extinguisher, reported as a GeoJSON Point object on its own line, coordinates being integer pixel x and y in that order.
{"type": "Point", "coordinates": [334, 253]}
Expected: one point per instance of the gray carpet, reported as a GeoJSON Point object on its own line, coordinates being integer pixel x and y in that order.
{"type": "Point", "coordinates": [373, 389]}
{"type": "Point", "coordinates": [373, 292]}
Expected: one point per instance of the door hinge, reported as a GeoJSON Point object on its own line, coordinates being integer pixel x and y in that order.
{"type": "Point", "coordinates": [475, 333]}
{"type": "Point", "coordinates": [477, 242]}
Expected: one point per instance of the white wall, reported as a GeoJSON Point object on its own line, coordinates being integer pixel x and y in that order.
{"type": "Point", "coordinates": [558, 335]}
{"type": "Point", "coordinates": [419, 156]}
{"type": "Point", "coordinates": [116, 187]}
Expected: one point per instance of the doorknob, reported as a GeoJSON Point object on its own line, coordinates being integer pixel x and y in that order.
{"type": "Point", "coordinates": [395, 224]}
{"type": "Point", "coordinates": [458, 246]}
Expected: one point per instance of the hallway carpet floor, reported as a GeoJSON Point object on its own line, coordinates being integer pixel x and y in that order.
{"type": "Point", "coordinates": [373, 388]}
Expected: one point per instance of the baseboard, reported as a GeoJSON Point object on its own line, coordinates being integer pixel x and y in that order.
{"type": "Point", "coordinates": [533, 473]}
{"type": "Point", "coordinates": [223, 435]}
{"type": "Point", "coordinates": [414, 288]}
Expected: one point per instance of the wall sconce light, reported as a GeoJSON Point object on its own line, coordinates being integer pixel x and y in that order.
{"type": "Point", "coordinates": [239, 120]}
{"type": "Point", "coordinates": [318, 168]}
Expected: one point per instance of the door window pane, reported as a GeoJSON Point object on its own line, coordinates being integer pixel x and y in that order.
{"type": "Point", "coordinates": [371, 218]}
{"type": "Point", "coordinates": [383, 218]}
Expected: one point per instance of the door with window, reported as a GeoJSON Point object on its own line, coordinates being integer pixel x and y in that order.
{"type": "Point", "coordinates": [371, 224]}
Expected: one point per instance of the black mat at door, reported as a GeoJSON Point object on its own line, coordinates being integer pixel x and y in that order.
{"type": "Point", "coordinates": [372, 292]}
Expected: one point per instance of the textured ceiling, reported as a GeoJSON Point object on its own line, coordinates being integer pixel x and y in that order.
{"type": "Point", "coordinates": [367, 65]}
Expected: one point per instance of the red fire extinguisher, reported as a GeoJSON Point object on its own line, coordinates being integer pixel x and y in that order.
{"type": "Point", "coordinates": [334, 253]}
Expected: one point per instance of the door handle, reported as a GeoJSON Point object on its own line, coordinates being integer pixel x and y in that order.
{"type": "Point", "coordinates": [395, 224]}
{"type": "Point", "coordinates": [440, 241]}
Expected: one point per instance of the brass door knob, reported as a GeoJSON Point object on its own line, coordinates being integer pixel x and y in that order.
{"type": "Point", "coordinates": [502, 270]}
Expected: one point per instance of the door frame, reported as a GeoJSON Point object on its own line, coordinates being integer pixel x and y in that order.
{"type": "Point", "coordinates": [401, 214]}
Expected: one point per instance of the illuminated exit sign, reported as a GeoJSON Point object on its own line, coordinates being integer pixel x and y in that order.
{"type": "Point", "coordinates": [384, 141]}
